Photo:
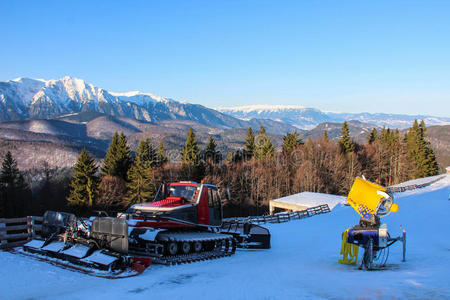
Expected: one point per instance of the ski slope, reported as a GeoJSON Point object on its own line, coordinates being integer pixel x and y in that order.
{"type": "Point", "coordinates": [302, 264]}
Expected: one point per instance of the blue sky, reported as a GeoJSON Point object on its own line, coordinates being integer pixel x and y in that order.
{"type": "Point", "coordinates": [352, 56]}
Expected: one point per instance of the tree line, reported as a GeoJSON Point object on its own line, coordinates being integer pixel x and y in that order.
{"type": "Point", "coordinates": [254, 174]}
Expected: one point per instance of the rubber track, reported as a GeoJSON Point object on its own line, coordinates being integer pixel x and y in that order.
{"type": "Point", "coordinates": [227, 250]}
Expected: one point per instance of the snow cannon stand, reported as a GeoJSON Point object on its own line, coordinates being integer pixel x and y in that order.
{"type": "Point", "coordinates": [371, 202]}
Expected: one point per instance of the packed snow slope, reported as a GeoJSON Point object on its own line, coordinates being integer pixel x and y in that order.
{"type": "Point", "coordinates": [302, 264]}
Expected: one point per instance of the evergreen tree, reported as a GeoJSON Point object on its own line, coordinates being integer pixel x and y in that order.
{"type": "Point", "coordinates": [84, 184]}
{"type": "Point", "coordinates": [235, 156]}
{"type": "Point", "coordinates": [162, 158]}
{"type": "Point", "coordinates": [371, 138]}
{"type": "Point", "coordinates": [249, 149]}
{"type": "Point", "coordinates": [110, 162]}
{"type": "Point", "coordinates": [191, 153]}
{"type": "Point", "coordinates": [290, 142]}
{"type": "Point", "coordinates": [10, 174]}
{"type": "Point", "coordinates": [325, 136]}
{"type": "Point", "coordinates": [141, 186]}
{"type": "Point", "coordinates": [263, 146]}
{"type": "Point", "coordinates": [12, 188]}
{"type": "Point", "coordinates": [345, 143]}
{"type": "Point", "coordinates": [421, 152]}
{"type": "Point", "coordinates": [211, 154]}
{"type": "Point", "coordinates": [146, 155]}
{"type": "Point", "coordinates": [117, 160]}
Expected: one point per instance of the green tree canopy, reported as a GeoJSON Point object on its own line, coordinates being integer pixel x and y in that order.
{"type": "Point", "coordinates": [211, 154]}
{"type": "Point", "coordinates": [141, 180]}
{"type": "Point", "coordinates": [249, 148]}
{"type": "Point", "coordinates": [420, 151]}
{"type": "Point", "coordinates": [291, 141]}
{"type": "Point", "coordinates": [83, 186]}
{"type": "Point", "coordinates": [118, 159]}
{"type": "Point", "coordinates": [345, 142]}
{"type": "Point", "coordinates": [325, 136]}
{"type": "Point", "coordinates": [146, 155]}
{"type": "Point", "coordinates": [162, 158]}
{"type": "Point", "coordinates": [371, 138]}
{"type": "Point", "coordinates": [191, 153]}
{"type": "Point", "coordinates": [263, 146]}
{"type": "Point", "coordinates": [12, 188]}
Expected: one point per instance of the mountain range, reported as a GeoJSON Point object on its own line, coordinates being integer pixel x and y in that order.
{"type": "Point", "coordinates": [308, 118]}
{"type": "Point", "coordinates": [52, 120]}
{"type": "Point", "coordinates": [25, 98]}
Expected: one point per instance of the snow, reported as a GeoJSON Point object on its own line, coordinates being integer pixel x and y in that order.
{"type": "Point", "coordinates": [425, 180]}
{"type": "Point", "coordinates": [259, 108]}
{"type": "Point", "coordinates": [309, 199]}
{"type": "Point", "coordinates": [302, 264]}
{"type": "Point", "coordinates": [140, 98]}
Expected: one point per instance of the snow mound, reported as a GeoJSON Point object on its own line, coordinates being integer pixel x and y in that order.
{"type": "Point", "coordinates": [420, 181]}
{"type": "Point", "coordinates": [310, 199]}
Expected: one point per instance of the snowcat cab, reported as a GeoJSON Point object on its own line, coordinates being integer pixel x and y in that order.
{"type": "Point", "coordinates": [180, 204]}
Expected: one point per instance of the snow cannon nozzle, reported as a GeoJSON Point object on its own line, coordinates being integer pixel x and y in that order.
{"type": "Point", "coordinates": [370, 200]}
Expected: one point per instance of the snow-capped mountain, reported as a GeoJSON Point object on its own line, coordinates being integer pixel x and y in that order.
{"type": "Point", "coordinates": [308, 118]}
{"type": "Point", "coordinates": [25, 98]}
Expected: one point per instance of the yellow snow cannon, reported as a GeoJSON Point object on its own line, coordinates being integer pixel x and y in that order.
{"type": "Point", "coordinates": [370, 200]}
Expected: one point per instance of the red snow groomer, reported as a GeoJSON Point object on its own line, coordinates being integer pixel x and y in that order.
{"type": "Point", "coordinates": [182, 224]}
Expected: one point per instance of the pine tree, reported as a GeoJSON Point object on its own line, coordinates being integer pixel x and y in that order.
{"type": "Point", "coordinates": [191, 153]}
{"type": "Point", "coordinates": [325, 136]}
{"type": "Point", "coordinates": [146, 155]}
{"type": "Point", "coordinates": [290, 142]}
{"type": "Point", "coordinates": [12, 188]}
{"type": "Point", "coordinates": [117, 160]}
{"type": "Point", "coordinates": [10, 174]}
{"type": "Point", "coordinates": [211, 154]}
{"type": "Point", "coordinates": [345, 143]}
{"type": "Point", "coordinates": [421, 152]}
{"type": "Point", "coordinates": [84, 184]}
{"type": "Point", "coordinates": [249, 149]}
{"type": "Point", "coordinates": [371, 138]}
{"type": "Point", "coordinates": [110, 162]}
{"type": "Point", "coordinates": [141, 186]}
{"type": "Point", "coordinates": [263, 146]}
{"type": "Point", "coordinates": [162, 158]}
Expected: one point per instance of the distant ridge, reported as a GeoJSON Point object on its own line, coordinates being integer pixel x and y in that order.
{"type": "Point", "coordinates": [308, 118]}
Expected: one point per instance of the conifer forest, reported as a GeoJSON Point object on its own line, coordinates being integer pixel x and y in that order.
{"type": "Point", "coordinates": [253, 175]}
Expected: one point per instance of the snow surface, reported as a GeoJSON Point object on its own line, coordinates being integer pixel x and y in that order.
{"type": "Point", "coordinates": [425, 180]}
{"type": "Point", "coordinates": [309, 199]}
{"type": "Point", "coordinates": [302, 264]}
{"type": "Point", "coordinates": [259, 108]}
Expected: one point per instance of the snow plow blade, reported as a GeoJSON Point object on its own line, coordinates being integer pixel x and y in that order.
{"type": "Point", "coordinates": [248, 235]}
{"type": "Point", "coordinates": [99, 248]}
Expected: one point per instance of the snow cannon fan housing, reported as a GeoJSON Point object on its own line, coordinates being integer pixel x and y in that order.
{"type": "Point", "coordinates": [370, 200]}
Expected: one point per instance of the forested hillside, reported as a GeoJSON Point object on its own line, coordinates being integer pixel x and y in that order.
{"type": "Point", "coordinates": [255, 172]}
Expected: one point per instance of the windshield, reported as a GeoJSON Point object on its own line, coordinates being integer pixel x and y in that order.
{"type": "Point", "coordinates": [187, 192]}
